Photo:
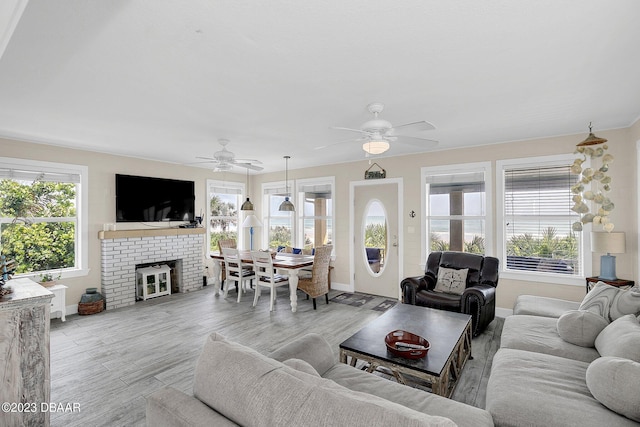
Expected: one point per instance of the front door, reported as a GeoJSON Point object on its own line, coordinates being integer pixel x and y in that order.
{"type": "Point", "coordinates": [376, 247]}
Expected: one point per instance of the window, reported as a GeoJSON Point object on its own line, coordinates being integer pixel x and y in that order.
{"type": "Point", "coordinates": [315, 212]}
{"type": "Point", "coordinates": [43, 208]}
{"type": "Point", "coordinates": [224, 200]}
{"type": "Point", "coordinates": [278, 226]}
{"type": "Point", "coordinates": [536, 219]}
{"type": "Point", "coordinates": [456, 208]}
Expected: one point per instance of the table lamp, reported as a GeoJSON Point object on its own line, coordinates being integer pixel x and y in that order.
{"type": "Point", "coordinates": [608, 243]}
{"type": "Point", "coordinates": [250, 222]}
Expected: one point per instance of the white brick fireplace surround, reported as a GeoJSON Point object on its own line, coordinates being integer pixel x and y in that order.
{"type": "Point", "coordinates": [123, 250]}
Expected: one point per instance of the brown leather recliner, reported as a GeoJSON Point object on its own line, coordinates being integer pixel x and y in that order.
{"type": "Point", "coordinates": [478, 299]}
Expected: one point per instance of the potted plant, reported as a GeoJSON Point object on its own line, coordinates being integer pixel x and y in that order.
{"type": "Point", "coordinates": [47, 280]}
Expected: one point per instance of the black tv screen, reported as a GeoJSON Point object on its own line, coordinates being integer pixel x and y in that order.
{"type": "Point", "coordinates": [146, 199]}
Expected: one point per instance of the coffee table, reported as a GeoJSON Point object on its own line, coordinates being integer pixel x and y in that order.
{"type": "Point", "coordinates": [448, 333]}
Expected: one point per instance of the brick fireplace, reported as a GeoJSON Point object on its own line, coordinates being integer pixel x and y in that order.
{"type": "Point", "coordinates": [123, 251]}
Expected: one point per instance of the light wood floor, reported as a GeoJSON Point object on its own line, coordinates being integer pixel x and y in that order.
{"type": "Point", "coordinates": [109, 362]}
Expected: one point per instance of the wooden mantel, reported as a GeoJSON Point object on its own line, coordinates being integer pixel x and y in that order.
{"type": "Point", "coordinates": [149, 232]}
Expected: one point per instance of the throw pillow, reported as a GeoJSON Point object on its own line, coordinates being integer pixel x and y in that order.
{"type": "Point", "coordinates": [302, 366]}
{"type": "Point", "coordinates": [621, 338]}
{"type": "Point", "coordinates": [613, 381]}
{"type": "Point", "coordinates": [580, 327]}
{"type": "Point", "coordinates": [451, 281]}
{"type": "Point", "coordinates": [611, 302]}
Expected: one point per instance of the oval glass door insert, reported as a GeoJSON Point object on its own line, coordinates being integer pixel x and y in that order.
{"type": "Point", "coordinates": [375, 236]}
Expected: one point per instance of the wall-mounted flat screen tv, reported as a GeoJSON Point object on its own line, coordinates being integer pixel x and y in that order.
{"type": "Point", "coordinates": [147, 199]}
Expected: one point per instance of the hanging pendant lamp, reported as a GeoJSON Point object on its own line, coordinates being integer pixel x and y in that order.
{"type": "Point", "coordinates": [247, 205]}
{"type": "Point", "coordinates": [286, 206]}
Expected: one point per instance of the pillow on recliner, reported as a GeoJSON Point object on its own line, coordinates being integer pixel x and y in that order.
{"type": "Point", "coordinates": [451, 281]}
{"type": "Point", "coordinates": [580, 327]}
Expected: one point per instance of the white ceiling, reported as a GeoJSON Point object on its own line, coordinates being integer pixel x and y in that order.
{"type": "Point", "coordinates": [164, 79]}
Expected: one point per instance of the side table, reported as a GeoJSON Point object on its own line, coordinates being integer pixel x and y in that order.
{"type": "Point", "coordinates": [58, 302]}
{"type": "Point", "coordinates": [620, 283]}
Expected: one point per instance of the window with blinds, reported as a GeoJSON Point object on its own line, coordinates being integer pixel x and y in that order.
{"type": "Point", "coordinates": [41, 216]}
{"type": "Point", "coordinates": [223, 201]}
{"type": "Point", "coordinates": [278, 225]}
{"type": "Point", "coordinates": [315, 212]}
{"type": "Point", "coordinates": [537, 220]}
{"type": "Point", "coordinates": [456, 209]}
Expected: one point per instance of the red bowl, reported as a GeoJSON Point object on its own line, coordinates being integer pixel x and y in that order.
{"type": "Point", "coordinates": [407, 345]}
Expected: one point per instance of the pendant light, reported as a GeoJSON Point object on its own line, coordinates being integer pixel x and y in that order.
{"type": "Point", "coordinates": [247, 205]}
{"type": "Point", "coordinates": [286, 206]}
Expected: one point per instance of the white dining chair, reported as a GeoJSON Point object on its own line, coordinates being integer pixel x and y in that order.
{"type": "Point", "coordinates": [236, 272]}
{"type": "Point", "coordinates": [266, 276]}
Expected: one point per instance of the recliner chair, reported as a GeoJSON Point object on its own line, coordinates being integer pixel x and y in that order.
{"type": "Point", "coordinates": [478, 298]}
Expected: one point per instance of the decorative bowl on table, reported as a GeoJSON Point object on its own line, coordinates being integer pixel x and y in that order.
{"type": "Point", "coordinates": [407, 345]}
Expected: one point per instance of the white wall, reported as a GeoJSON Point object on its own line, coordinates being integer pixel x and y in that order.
{"type": "Point", "coordinates": [624, 190]}
{"type": "Point", "coordinates": [103, 167]}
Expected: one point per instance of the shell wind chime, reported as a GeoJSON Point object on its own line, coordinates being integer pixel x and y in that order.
{"type": "Point", "coordinates": [593, 184]}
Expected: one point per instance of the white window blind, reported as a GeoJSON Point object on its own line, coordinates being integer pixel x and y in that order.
{"type": "Point", "coordinates": [538, 219]}
{"type": "Point", "coordinates": [36, 175]}
{"type": "Point", "coordinates": [224, 190]}
{"type": "Point", "coordinates": [277, 191]}
{"type": "Point", "coordinates": [456, 209]}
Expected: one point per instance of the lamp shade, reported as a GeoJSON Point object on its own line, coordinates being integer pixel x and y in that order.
{"type": "Point", "coordinates": [608, 243]}
{"type": "Point", "coordinates": [247, 205]}
{"type": "Point", "coordinates": [286, 206]}
{"type": "Point", "coordinates": [251, 221]}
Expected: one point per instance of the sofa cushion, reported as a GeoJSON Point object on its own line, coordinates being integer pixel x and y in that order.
{"type": "Point", "coordinates": [540, 334]}
{"type": "Point", "coordinates": [536, 390]}
{"type": "Point", "coordinates": [302, 366]}
{"type": "Point", "coordinates": [451, 281]}
{"type": "Point", "coordinates": [461, 414]}
{"type": "Point", "coordinates": [621, 338]}
{"type": "Point", "coordinates": [169, 407]}
{"type": "Point", "coordinates": [614, 382]}
{"type": "Point", "coordinates": [580, 327]}
{"type": "Point", "coordinates": [543, 306]}
{"type": "Point", "coordinates": [312, 348]}
{"type": "Point", "coordinates": [232, 378]}
{"type": "Point", "coordinates": [612, 302]}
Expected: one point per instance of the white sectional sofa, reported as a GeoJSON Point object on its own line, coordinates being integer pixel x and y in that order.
{"type": "Point", "coordinates": [301, 384]}
{"type": "Point", "coordinates": [564, 363]}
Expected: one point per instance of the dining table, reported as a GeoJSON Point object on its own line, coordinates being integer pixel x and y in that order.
{"type": "Point", "coordinates": [285, 263]}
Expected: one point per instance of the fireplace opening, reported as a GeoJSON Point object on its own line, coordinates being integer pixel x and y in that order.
{"type": "Point", "coordinates": [174, 277]}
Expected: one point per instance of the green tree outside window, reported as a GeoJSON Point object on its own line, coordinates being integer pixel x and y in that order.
{"type": "Point", "coordinates": [38, 224]}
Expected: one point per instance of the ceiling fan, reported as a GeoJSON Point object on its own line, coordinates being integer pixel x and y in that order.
{"type": "Point", "coordinates": [225, 160]}
{"type": "Point", "coordinates": [377, 133]}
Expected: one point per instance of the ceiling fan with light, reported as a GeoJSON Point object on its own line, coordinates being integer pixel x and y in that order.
{"type": "Point", "coordinates": [225, 160]}
{"type": "Point", "coordinates": [377, 134]}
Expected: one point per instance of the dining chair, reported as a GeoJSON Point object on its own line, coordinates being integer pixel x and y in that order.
{"type": "Point", "coordinates": [266, 276]}
{"type": "Point", "coordinates": [225, 243]}
{"type": "Point", "coordinates": [318, 284]}
{"type": "Point", "coordinates": [236, 271]}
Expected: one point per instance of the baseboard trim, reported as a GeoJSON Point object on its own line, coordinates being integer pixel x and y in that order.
{"type": "Point", "coordinates": [341, 287]}
{"type": "Point", "coordinates": [70, 309]}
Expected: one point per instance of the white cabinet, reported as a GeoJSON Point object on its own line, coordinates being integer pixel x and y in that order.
{"type": "Point", "coordinates": [153, 281]}
{"type": "Point", "coordinates": [59, 300]}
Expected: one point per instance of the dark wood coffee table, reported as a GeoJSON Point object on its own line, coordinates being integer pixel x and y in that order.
{"type": "Point", "coordinates": [448, 333]}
